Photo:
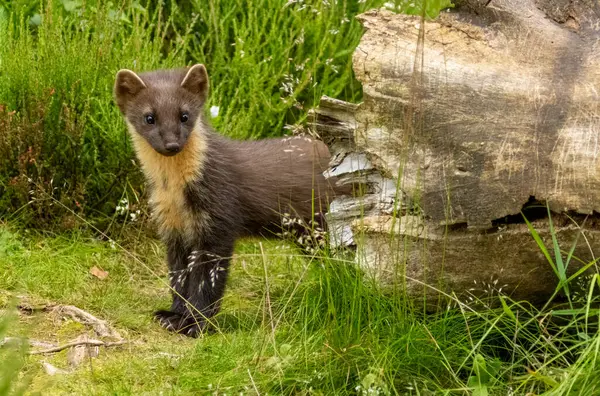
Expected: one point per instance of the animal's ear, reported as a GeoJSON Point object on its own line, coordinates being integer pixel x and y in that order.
{"type": "Point", "coordinates": [127, 85]}
{"type": "Point", "coordinates": [196, 81]}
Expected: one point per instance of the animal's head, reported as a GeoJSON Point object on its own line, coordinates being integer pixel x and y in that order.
{"type": "Point", "coordinates": [162, 106]}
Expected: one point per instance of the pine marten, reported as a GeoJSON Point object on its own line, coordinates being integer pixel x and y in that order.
{"type": "Point", "coordinates": [206, 190]}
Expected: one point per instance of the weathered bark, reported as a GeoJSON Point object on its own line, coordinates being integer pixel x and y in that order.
{"type": "Point", "coordinates": [466, 120]}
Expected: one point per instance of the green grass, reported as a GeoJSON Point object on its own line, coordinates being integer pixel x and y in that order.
{"type": "Point", "coordinates": [289, 325]}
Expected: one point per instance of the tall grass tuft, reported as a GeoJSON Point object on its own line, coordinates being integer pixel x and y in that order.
{"type": "Point", "coordinates": [271, 60]}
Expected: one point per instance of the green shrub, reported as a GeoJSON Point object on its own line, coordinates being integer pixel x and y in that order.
{"type": "Point", "coordinates": [63, 140]}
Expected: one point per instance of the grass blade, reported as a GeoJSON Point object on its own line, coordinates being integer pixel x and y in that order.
{"type": "Point", "coordinates": [540, 243]}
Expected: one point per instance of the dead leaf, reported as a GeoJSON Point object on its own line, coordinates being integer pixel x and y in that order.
{"type": "Point", "coordinates": [98, 273]}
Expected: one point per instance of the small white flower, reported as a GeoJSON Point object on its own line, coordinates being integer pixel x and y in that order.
{"type": "Point", "coordinates": [214, 111]}
{"type": "Point", "coordinates": [300, 38]}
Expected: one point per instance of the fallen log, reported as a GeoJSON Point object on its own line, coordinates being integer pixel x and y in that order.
{"type": "Point", "coordinates": [468, 121]}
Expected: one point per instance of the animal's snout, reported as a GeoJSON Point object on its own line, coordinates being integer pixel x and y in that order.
{"type": "Point", "coordinates": [172, 147]}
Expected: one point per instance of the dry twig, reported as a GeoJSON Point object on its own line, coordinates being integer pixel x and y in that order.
{"type": "Point", "coordinates": [77, 343]}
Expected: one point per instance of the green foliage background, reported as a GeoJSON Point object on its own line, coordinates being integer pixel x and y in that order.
{"type": "Point", "coordinates": [63, 145]}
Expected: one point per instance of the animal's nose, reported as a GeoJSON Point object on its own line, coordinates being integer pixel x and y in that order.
{"type": "Point", "coordinates": [172, 147]}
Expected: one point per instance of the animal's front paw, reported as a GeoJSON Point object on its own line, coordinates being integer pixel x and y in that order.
{"type": "Point", "coordinates": [179, 323]}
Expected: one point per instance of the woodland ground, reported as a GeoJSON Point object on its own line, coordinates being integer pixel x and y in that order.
{"type": "Point", "coordinates": [290, 324]}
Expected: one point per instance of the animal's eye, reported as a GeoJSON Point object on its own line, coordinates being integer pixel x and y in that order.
{"type": "Point", "coordinates": [184, 117]}
{"type": "Point", "coordinates": [149, 119]}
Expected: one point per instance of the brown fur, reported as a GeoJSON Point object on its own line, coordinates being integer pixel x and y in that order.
{"type": "Point", "coordinates": [208, 190]}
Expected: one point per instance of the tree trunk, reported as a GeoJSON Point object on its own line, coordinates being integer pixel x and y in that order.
{"type": "Point", "coordinates": [467, 121]}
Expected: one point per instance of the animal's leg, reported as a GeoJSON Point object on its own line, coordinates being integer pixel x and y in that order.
{"type": "Point", "coordinates": [201, 282]}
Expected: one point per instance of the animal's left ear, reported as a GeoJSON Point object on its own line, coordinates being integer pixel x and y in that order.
{"type": "Point", "coordinates": [196, 81]}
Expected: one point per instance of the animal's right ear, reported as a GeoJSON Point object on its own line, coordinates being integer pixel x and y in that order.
{"type": "Point", "coordinates": [196, 81]}
{"type": "Point", "coordinates": [127, 85]}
